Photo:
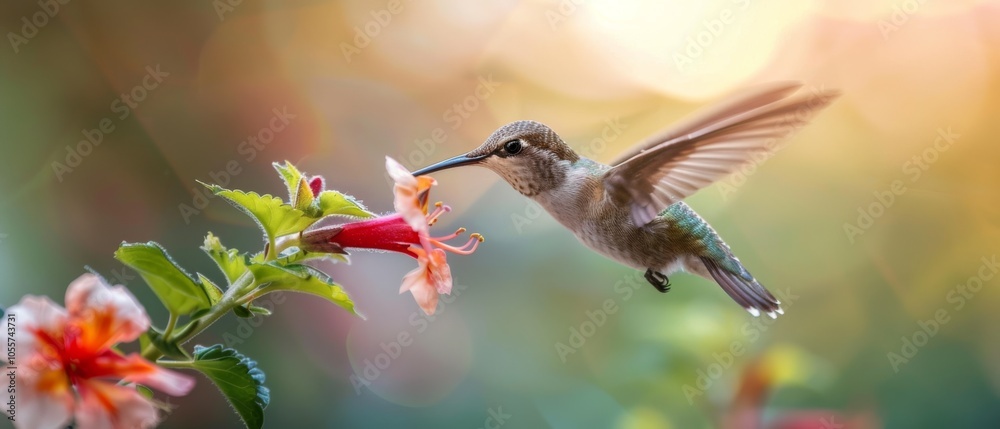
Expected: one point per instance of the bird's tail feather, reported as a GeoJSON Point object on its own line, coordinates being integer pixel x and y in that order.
{"type": "Point", "coordinates": [742, 287]}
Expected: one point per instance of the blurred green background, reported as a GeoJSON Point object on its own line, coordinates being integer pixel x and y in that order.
{"type": "Point", "coordinates": [179, 87]}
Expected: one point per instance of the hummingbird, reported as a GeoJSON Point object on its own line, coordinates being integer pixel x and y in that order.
{"type": "Point", "coordinates": [631, 210]}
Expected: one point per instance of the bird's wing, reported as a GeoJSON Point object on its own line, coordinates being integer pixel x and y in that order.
{"type": "Point", "coordinates": [675, 164]}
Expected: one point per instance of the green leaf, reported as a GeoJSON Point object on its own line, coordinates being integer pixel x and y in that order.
{"type": "Point", "coordinates": [292, 177]}
{"type": "Point", "coordinates": [259, 310]}
{"type": "Point", "coordinates": [152, 336]}
{"type": "Point", "coordinates": [248, 311]}
{"type": "Point", "coordinates": [180, 293]}
{"type": "Point", "coordinates": [336, 203]}
{"type": "Point", "coordinates": [198, 314]}
{"type": "Point", "coordinates": [230, 261]}
{"type": "Point", "coordinates": [304, 198]}
{"type": "Point", "coordinates": [300, 195]}
{"type": "Point", "coordinates": [273, 216]}
{"type": "Point", "coordinates": [298, 256]}
{"type": "Point", "coordinates": [144, 391]}
{"type": "Point", "coordinates": [300, 278]}
{"type": "Point", "coordinates": [239, 380]}
{"type": "Point", "coordinates": [211, 290]}
{"type": "Point", "coordinates": [327, 203]}
{"type": "Point", "coordinates": [242, 311]}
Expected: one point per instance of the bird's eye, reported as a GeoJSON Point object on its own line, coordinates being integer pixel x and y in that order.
{"type": "Point", "coordinates": [512, 147]}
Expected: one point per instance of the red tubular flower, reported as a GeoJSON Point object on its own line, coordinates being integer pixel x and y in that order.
{"type": "Point", "coordinates": [407, 232]}
{"type": "Point", "coordinates": [67, 367]}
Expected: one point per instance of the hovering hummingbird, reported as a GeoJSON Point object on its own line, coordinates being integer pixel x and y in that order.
{"type": "Point", "coordinates": [631, 211]}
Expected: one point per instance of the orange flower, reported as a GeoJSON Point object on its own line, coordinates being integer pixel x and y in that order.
{"type": "Point", "coordinates": [406, 231]}
{"type": "Point", "coordinates": [66, 367]}
{"type": "Point", "coordinates": [429, 280]}
{"type": "Point", "coordinates": [412, 194]}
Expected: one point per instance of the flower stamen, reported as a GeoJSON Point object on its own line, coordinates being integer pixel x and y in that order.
{"type": "Point", "coordinates": [451, 236]}
{"type": "Point", "coordinates": [439, 209]}
{"type": "Point", "coordinates": [466, 249]}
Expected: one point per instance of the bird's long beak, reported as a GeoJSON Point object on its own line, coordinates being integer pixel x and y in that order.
{"type": "Point", "coordinates": [457, 161]}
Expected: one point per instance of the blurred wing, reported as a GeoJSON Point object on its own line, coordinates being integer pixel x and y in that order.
{"type": "Point", "coordinates": [675, 164]}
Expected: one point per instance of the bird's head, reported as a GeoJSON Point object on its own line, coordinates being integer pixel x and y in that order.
{"type": "Point", "coordinates": [528, 155]}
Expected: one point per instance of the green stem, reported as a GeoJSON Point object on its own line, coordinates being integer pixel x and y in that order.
{"type": "Point", "coordinates": [288, 242]}
{"type": "Point", "coordinates": [229, 300]}
{"type": "Point", "coordinates": [171, 324]}
{"type": "Point", "coordinates": [252, 294]}
{"type": "Point", "coordinates": [271, 253]}
{"type": "Point", "coordinates": [174, 363]}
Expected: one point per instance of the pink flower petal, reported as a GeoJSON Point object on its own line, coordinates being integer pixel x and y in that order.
{"type": "Point", "coordinates": [398, 173]}
{"type": "Point", "coordinates": [411, 279]}
{"type": "Point", "coordinates": [60, 350]}
{"type": "Point", "coordinates": [439, 272]}
{"type": "Point", "coordinates": [44, 399]}
{"type": "Point", "coordinates": [109, 314]}
{"type": "Point", "coordinates": [410, 195]}
{"type": "Point", "coordinates": [34, 315]}
{"type": "Point", "coordinates": [431, 278]}
{"type": "Point", "coordinates": [423, 292]}
{"type": "Point", "coordinates": [104, 405]}
{"type": "Point", "coordinates": [134, 368]}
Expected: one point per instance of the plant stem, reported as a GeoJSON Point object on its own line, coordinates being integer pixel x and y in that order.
{"type": "Point", "coordinates": [171, 323]}
{"type": "Point", "coordinates": [229, 300]}
{"type": "Point", "coordinates": [290, 240]}
{"type": "Point", "coordinates": [271, 253]}
{"type": "Point", "coordinates": [174, 363]}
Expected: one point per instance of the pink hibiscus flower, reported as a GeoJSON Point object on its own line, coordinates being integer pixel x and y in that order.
{"type": "Point", "coordinates": [67, 369]}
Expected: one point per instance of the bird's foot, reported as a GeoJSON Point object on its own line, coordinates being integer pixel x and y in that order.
{"type": "Point", "coordinates": [658, 280]}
